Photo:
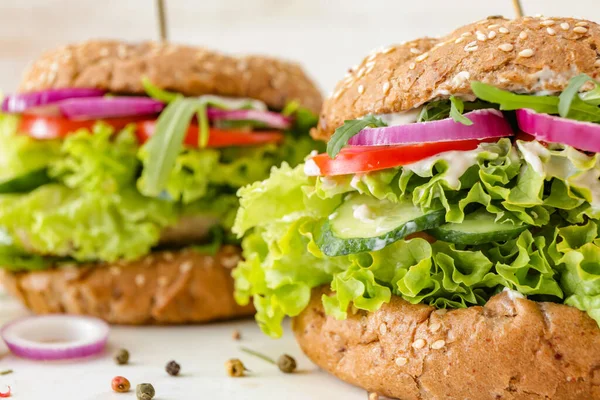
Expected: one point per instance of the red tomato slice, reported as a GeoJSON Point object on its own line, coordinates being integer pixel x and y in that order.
{"type": "Point", "coordinates": [52, 127]}
{"type": "Point", "coordinates": [217, 137]}
{"type": "Point", "coordinates": [359, 159]}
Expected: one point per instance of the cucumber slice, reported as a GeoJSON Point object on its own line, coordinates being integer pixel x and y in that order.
{"type": "Point", "coordinates": [26, 182]}
{"type": "Point", "coordinates": [477, 228]}
{"type": "Point", "coordinates": [363, 223]}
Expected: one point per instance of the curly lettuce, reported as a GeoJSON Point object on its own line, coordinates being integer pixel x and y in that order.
{"type": "Point", "coordinates": [553, 190]}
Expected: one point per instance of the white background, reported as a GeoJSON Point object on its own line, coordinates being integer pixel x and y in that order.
{"type": "Point", "coordinates": [327, 37]}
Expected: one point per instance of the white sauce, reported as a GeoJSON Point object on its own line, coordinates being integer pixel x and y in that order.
{"type": "Point", "coordinates": [311, 168]}
{"type": "Point", "coordinates": [513, 294]}
{"type": "Point", "coordinates": [533, 152]}
{"type": "Point", "coordinates": [458, 163]}
{"type": "Point", "coordinates": [363, 213]}
{"type": "Point", "coordinates": [400, 118]}
{"type": "Point", "coordinates": [235, 103]}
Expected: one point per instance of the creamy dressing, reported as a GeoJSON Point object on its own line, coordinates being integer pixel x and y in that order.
{"type": "Point", "coordinates": [311, 168]}
{"type": "Point", "coordinates": [235, 103]}
{"type": "Point", "coordinates": [533, 153]}
{"type": "Point", "coordinates": [400, 118]}
{"type": "Point", "coordinates": [458, 163]}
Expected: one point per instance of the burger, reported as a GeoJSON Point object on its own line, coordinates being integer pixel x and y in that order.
{"type": "Point", "coordinates": [119, 165]}
{"type": "Point", "coordinates": [446, 246]}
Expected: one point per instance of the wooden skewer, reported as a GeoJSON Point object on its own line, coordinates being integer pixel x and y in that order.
{"type": "Point", "coordinates": [518, 8]}
{"type": "Point", "coordinates": [162, 20]}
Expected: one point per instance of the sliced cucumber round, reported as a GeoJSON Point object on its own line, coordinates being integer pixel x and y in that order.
{"type": "Point", "coordinates": [477, 228]}
{"type": "Point", "coordinates": [364, 223]}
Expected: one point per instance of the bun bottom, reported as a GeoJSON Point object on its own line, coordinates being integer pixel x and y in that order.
{"type": "Point", "coordinates": [511, 348]}
{"type": "Point", "coordinates": [162, 288]}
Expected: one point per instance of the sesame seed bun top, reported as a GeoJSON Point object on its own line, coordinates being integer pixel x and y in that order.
{"type": "Point", "coordinates": [526, 55]}
{"type": "Point", "coordinates": [119, 67]}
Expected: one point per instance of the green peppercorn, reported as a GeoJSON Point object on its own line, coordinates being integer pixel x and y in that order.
{"type": "Point", "coordinates": [286, 364]}
{"type": "Point", "coordinates": [122, 357]}
{"type": "Point", "coordinates": [235, 368]}
{"type": "Point", "coordinates": [173, 368]}
{"type": "Point", "coordinates": [145, 391]}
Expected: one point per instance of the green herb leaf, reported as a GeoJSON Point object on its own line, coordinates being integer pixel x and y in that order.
{"type": "Point", "coordinates": [350, 128]}
{"type": "Point", "coordinates": [568, 95]}
{"type": "Point", "coordinates": [456, 111]}
{"type": "Point", "coordinates": [434, 111]}
{"type": "Point", "coordinates": [166, 143]}
{"type": "Point", "coordinates": [511, 101]}
{"type": "Point", "coordinates": [158, 93]}
{"type": "Point", "coordinates": [582, 111]}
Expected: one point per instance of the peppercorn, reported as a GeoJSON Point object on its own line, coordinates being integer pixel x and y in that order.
{"type": "Point", "coordinates": [236, 335]}
{"type": "Point", "coordinates": [286, 363]}
{"type": "Point", "coordinates": [235, 368]}
{"type": "Point", "coordinates": [120, 384]}
{"type": "Point", "coordinates": [122, 357]}
{"type": "Point", "coordinates": [173, 368]}
{"type": "Point", "coordinates": [145, 391]}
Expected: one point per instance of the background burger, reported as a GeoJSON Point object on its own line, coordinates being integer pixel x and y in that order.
{"type": "Point", "coordinates": [446, 246]}
{"type": "Point", "coordinates": [119, 165]}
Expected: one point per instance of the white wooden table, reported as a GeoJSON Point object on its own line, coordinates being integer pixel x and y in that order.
{"type": "Point", "coordinates": [200, 350]}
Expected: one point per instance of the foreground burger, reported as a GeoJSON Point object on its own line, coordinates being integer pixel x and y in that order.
{"type": "Point", "coordinates": [447, 246]}
{"type": "Point", "coordinates": [119, 165]}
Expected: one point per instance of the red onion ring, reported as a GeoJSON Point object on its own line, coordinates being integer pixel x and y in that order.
{"type": "Point", "coordinates": [548, 128]}
{"type": "Point", "coordinates": [109, 107]}
{"type": "Point", "coordinates": [271, 119]}
{"type": "Point", "coordinates": [55, 337]}
{"type": "Point", "coordinates": [19, 102]}
{"type": "Point", "coordinates": [487, 123]}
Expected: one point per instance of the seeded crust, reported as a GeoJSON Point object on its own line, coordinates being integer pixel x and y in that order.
{"type": "Point", "coordinates": [524, 55]}
{"type": "Point", "coordinates": [161, 288]}
{"type": "Point", "coordinates": [119, 67]}
{"type": "Point", "coordinates": [508, 349]}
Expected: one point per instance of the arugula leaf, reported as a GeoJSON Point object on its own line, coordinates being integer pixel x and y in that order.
{"type": "Point", "coordinates": [350, 128]}
{"type": "Point", "coordinates": [568, 95]}
{"type": "Point", "coordinates": [165, 144]}
{"type": "Point", "coordinates": [456, 111]}
{"type": "Point", "coordinates": [509, 101]}
{"type": "Point", "coordinates": [434, 111]}
{"type": "Point", "coordinates": [593, 96]}
{"type": "Point", "coordinates": [158, 93]}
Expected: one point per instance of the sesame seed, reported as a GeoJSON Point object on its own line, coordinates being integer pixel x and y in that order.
{"type": "Point", "coordinates": [115, 270]}
{"type": "Point", "coordinates": [386, 88]}
{"type": "Point", "coordinates": [493, 26]}
{"type": "Point", "coordinates": [162, 281]}
{"type": "Point", "coordinates": [168, 256]}
{"type": "Point", "coordinates": [597, 63]}
{"type": "Point", "coordinates": [480, 36]}
{"type": "Point", "coordinates": [492, 35]}
{"type": "Point", "coordinates": [459, 40]}
{"type": "Point", "coordinates": [569, 378]}
{"type": "Point", "coordinates": [361, 89]}
{"type": "Point", "coordinates": [185, 267]}
{"type": "Point", "coordinates": [422, 57]}
{"type": "Point", "coordinates": [373, 396]}
{"type": "Point", "coordinates": [401, 361]}
{"type": "Point", "coordinates": [415, 50]}
{"type": "Point", "coordinates": [582, 23]}
{"type": "Point", "coordinates": [371, 57]}
{"type": "Point", "coordinates": [471, 44]}
{"type": "Point", "coordinates": [547, 22]}
{"type": "Point", "coordinates": [360, 73]}
{"type": "Point", "coordinates": [435, 327]}
{"type": "Point", "coordinates": [441, 311]}
{"type": "Point", "coordinates": [503, 30]}
{"type": "Point", "coordinates": [580, 29]}
{"type": "Point", "coordinates": [140, 280]}
{"type": "Point", "coordinates": [523, 35]}
{"type": "Point", "coordinates": [526, 53]}
{"type": "Point", "coordinates": [565, 26]}
{"type": "Point", "coordinates": [418, 344]}
{"type": "Point", "coordinates": [506, 47]}
{"type": "Point", "coordinates": [471, 49]}
{"type": "Point", "coordinates": [551, 31]}
{"type": "Point", "coordinates": [412, 66]}
{"type": "Point", "coordinates": [438, 344]}
{"type": "Point", "coordinates": [383, 328]}
{"type": "Point", "coordinates": [387, 50]}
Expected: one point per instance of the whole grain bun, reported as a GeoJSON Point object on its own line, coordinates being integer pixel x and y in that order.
{"type": "Point", "coordinates": [524, 55]}
{"type": "Point", "coordinates": [161, 288]}
{"type": "Point", "coordinates": [511, 348]}
{"type": "Point", "coordinates": [119, 67]}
